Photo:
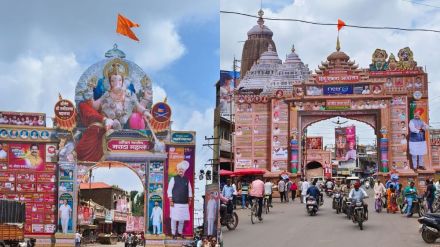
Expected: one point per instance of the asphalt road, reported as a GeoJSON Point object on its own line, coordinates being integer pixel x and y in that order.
{"type": "Point", "coordinates": [290, 225]}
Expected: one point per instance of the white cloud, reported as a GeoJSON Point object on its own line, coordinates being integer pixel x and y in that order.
{"type": "Point", "coordinates": [161, 46]}
{"type": "Point", "coordinates": [315, 43]}
{"type": "Point", "coordinates": [159, 93]}
{"type": "Point", "coordinates": [32, 83]}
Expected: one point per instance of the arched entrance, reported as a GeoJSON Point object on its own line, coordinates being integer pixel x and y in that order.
{"type": "Point", "coordinates": [314, 169]}
{"type": "Point", "coordinates": [111, 199]}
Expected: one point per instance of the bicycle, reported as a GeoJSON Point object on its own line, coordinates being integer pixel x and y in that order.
{"type": "Point", "coordinates": [254, 210]}
{"type": "Point", "coordinates": [266, 204]}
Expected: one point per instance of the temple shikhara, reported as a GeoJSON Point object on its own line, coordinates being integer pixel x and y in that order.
{"type": "Point", "coordinates": [277, 100]}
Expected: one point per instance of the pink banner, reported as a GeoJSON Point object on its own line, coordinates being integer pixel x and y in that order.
{"type": "Point", "coordinates": [129, 145]}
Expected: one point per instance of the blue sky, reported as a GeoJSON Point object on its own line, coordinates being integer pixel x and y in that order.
{"type": "Point", "coordinates": [47, 45]}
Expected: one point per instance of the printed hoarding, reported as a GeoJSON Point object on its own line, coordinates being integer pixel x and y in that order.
{"type": "Point", "coordinates": [179, 190]}
{"type": "Point", "coordinates": [345, 138]}
{"type": "Point", "coordinates": [226, 83]}
{"type": "Point", "coordinates": [25, 176]}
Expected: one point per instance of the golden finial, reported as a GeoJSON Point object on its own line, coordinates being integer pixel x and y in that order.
{"type": "Point", "coordinates": [165, 100]}
{"type": "Point", "coordinates": [338, 45]}
{"type": "Point", "coordinates": [59, 96]}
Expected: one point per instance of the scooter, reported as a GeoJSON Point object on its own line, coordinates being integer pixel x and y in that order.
{"type": "Point", "coordinates": [337, 202]}
{"type": "Point", "coordinates": [311, 205]}
{"type": "Point", "coordinates": [430, 227]}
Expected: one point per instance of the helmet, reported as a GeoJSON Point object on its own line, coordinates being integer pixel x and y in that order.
{"type": "Point", "coordinates": [357, 185]}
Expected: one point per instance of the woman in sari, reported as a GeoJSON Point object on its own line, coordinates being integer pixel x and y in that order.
{"type": "Point", "coordinates": [391, 200]}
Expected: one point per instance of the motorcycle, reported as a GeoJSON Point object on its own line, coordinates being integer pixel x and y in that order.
{"type": "Point", "coordinates": [130, 242]}
{"type": "Point", "coordinates": [367, 184]}
{"type": "Point", "coordinates": [359, 214]}
{"type": "Point", "coordinates": [346, 205]}
{"type": "Point", "coordinates": [329, 192]}
{"type": "Point", "coordinates": [311, 205]}
{"type": "Point", "coordinates": [337, 202]}
{"type": "Point", "coordinates": [430, 227]}
{"type": "Point", "coordinates": [230, 220]}
{"type": "Point", "coordinates": [378, 203]}
{"type": "Point", "coordinates": [417, 207]}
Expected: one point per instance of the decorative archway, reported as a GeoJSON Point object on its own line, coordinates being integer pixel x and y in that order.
{"type": "Point", "coordinates": [314, 169]}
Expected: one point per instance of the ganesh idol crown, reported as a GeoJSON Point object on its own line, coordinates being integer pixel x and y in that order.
{"type": "Point", "coordinates": [113, 95]}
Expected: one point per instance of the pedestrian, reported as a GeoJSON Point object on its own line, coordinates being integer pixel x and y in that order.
{"type": "Point", "coordinates": [430, 194]}
{"type": "Point", "coordinates": [268, 190]}
{"type": "Point", "coordinates": [304, 187]}
{"type": "Point", "coordinates": [299, 189]}
{"type": "Point", "coordinates": [391, 200]}
{"type": "Point", "coordinates": [244, 193]}
{"type": "Point", "coordinates": [234, 195]}
{"type": "Point", "coordinates": [293, 189]}
{"type": "Point", "coordinates": [287, 189]}
{"type": "Point", "coordinates": [78, 237]}
{"type": "Point", "coordinates": [281, 189]}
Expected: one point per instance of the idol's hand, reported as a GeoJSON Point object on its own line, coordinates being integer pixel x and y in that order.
{"type": "Point", "coordinates": [108, 123]}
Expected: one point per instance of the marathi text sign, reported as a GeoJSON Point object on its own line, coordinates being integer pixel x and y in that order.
{"type": "Point", "coordinates": [129, 145]}
{"type": "Point", "coordinates": [338, 78]}
{"type": "Point", "coordinates": [342, 104]}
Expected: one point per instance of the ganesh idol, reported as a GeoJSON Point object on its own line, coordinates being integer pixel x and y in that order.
{"type": "Point", "coordinates": [118, 108]}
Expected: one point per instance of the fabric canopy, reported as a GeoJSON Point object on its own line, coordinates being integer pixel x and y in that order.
{"type": "Point", "coordinates": [226, 172]}
{"type": "Point", "coordinates": [250, 171]}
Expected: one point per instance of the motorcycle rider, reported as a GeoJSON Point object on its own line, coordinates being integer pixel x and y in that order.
{"type": "Point", "coordinates": [358, 194]}
{"type": "Point", "coordinates": [410, 195]}
{"type": "Point", "coordinates": [338, 186]}
{"type": "Point", "coordinates": [379, 189]}
{"type": "Point", "coordinates": [313, 191]}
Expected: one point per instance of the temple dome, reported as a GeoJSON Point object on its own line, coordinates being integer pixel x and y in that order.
{"type": "Point", "coordinates": [260, 28]}
{"type": "Point", "coordinates": [115, 52]}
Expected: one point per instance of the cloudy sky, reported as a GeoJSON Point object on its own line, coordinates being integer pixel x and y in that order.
{"type": "Point", "coordinates": [314, 43]}
{"type": "Point", "coordinates": [46, 45]}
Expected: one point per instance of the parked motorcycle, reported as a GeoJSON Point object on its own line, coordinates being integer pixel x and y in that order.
{"type": "Point", "coordinates": [359, 214]}
{"type": "Point", "coordinates": [430, 227]}
{"type": "Point", "coordinates": [311, 205]}
{"type": "Point", "coordinates": [337, 202]}
{"type": "Point", "coordinates": [230, 220]}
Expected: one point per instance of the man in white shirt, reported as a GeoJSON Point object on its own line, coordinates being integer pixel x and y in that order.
{"type": "Point", "coordinates": [268, 190]}
{"type": "Point", "coordinates": [211, 214]}
{"type": "Point", "coordinates": [3, 154]}
{"type": "Point", "coordinates": [65, 213]}
{"type": "Point", "coordinates": [157, 218]}
{"type": "Point", "coordinates": [304, 187]}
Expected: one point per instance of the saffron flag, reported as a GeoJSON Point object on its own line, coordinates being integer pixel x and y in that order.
{"type": "Point", "coordinates": [124, 26]}
{"type": "Point", "coordinates": [341, 24]}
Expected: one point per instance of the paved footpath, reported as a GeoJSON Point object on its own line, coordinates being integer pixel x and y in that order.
{"type": "Point", "coordinates": [290, 225]}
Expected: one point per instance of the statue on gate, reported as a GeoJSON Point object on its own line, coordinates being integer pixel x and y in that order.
{"type": "Point", "coordinates": [379, 60]}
